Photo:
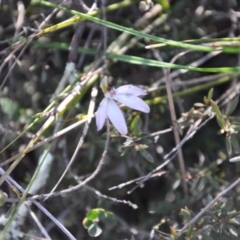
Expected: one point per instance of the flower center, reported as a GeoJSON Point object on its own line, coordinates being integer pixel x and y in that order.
{"type": "Point", "coordinates": [110, 92]}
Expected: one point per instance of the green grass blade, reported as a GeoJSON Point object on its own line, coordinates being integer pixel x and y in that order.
{"type": "Point", "coordinates": [132, 31]}
{"type": "Point", "coordinates": [138, 60]}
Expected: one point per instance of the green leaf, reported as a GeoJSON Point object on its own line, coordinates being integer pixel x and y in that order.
{"type": "Point", "coordinates": [233, 105]}
{"type": "Point", "coordinates": [146, 155]}
{"type": "Point", "coordinates": [189, 231]}
{"type": "Point", "coordinates": [105, 215]}
{"type": "Point", "coordinates": [228, 205]}
{"type": "Point", "coordinates": [218, 113]}
{"type": "Point", "coordinates": [235, 221]}
{"type": "Point", "coordinates": [3, 198]}
{"type": "Point", "coordinates": [109, 214]}
{"type": "Point", "coordinates": [87, 223]}
{"type": "Point", "coordinates": [213, 182]}
{"type": "Point", "coordinates": [219, 122]}
{"type": "Point", "coordinates": [207, 229]}
{"type": "Point", "coordinates": [96, 215]}
{"type": "Point", "coordinates": [235, 143]}
{"type": "Point", "coordinates": [94, 230]}
{"type": "Point", "coordinates": [198, 105]}
{"type": "Point", "coordinates": [139, 146]}
{"type": "Point", "coordinates": [236, 128]}
{"type": "Point", "coordinates": [229, 145]}
{"type": "Point", "coordinates": [205, 100]}
{"type": "Point", "coordinates": [235, 159]}
{"type": "Point", "coordinates": [173, 233]}
{"type": "Point", "coordinates": [136, 125]}
{"type": "Point", "coordinates": [176, 184]}
{"type": "Point", "coordinates": [107, 218]}
{"type": "Point", "coordinates": [216, 109]}
{"type": "Point", "coordinates": [233, 231]}
{"type": "Point", "coordinates": [9, 107]}
{"type": "Point", "coordinates": [186, 214]}
{"type": "Point", "coordinates": [146, 141]}
{"type": "Point", "coordinates": [232, 130]}
{"type": "Point", "coordinates": [93, 215]}
{"type": "Point", "coordinates": [210, 94]}
{"type": "Point", "coordinates": [164, 3]}
{"type": "Point", "coordinates": [205, 237]}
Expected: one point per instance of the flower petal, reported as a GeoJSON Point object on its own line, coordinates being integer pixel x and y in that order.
{"type": "Point", "coordinates": [101, 114]}
{"type": "Point", "coordinates": [116, 117]}
{"type": "Point", "coordinates": [130, 89]}
{"type": "Point", "coordinates": [133, 102]}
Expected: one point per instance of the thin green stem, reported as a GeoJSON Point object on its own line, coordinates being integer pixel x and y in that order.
{"type": "Point", "coordinates": [138, 60]}
{"type": "Point", "coordinates": [192, 90]}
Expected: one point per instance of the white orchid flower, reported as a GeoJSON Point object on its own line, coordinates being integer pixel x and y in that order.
{"type": "Point", "coordinates": [126, 95]}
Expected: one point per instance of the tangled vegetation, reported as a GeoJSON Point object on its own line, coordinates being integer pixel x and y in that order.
{"type": "Point", "coordinates": [119, 119]}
